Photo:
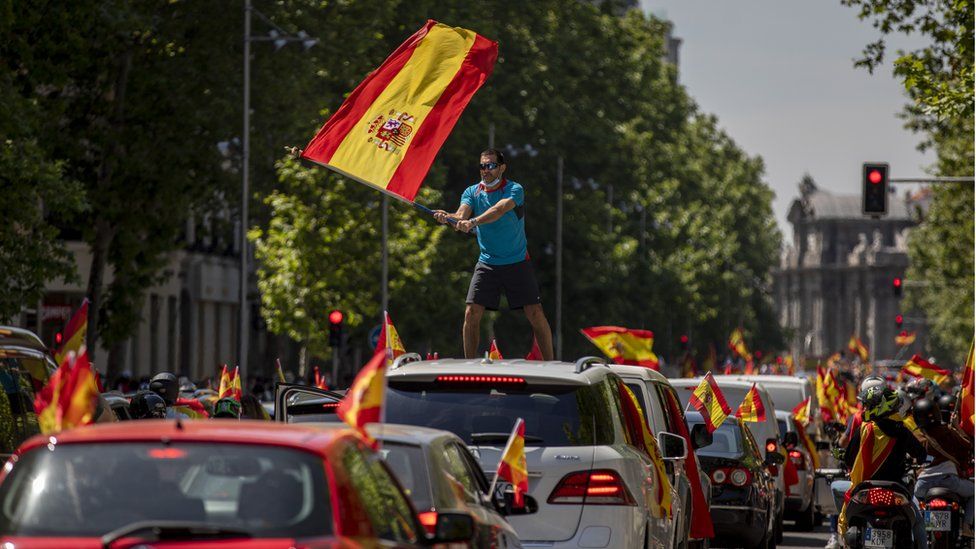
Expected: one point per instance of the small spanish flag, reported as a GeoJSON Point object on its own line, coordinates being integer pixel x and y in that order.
{"type": "Point", "coordinates": [536, 352]}
{"type": "Point", "coordinates": [737, 343]}
{"type": "Point", "coordinates": [68, 399]}
{"type": "Point", "coordinates": [363, 402]}
{"type": "Point", "coordinates": [688, 366]}
{"type": "Point", "coordinates": [624, 345]}
{"type": "Point", "coordinates": [711, 359]}
{"type": "Point", "coordinates": [235, 384]}
{"type": "Point", "coordinates": [512, 467]}
{"type": "Point", "coordinates": [710, 403]}
{"type": "Point", "coordinates": [387, 132]}
{"type": "Point", "coordinates": [320, 380]}
{"type": "Point", "coordinates": [905, 338]}
{"type": "Point", "coordinates": [790, 365]}
{"type": "Point", "coordinates": [919, 367]}
{"type": "Point", "coordinates": [801, 412]}
{"type": "Point", "coordinates": [389, 342]}
{"type": "Point", "coordinates": [493, 352]}
{"type": "Point", "coordinates": [224, 389]}
{"type": "Point", "coordinates": [74, 333]}
{"type": "Point", "coordinates": [752, 408]}
{"type": "Point", "coordinates": [965, 410]}
{"type": "Point", "coordinates": [857, 347]}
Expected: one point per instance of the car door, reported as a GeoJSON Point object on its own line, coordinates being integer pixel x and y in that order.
{"type": "Point", "coordinates": [296, 403]}
{"type": "Point", "coordinates": [470, 492]}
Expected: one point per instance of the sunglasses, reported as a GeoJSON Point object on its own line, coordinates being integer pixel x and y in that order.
{"type": "Point", "coordinates": [489, 166]}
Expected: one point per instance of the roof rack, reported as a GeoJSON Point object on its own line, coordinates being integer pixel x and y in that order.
{"type": "Point", "coordinates": [405, 358]}
{"type": "Point", "coordinates": [587, 361]}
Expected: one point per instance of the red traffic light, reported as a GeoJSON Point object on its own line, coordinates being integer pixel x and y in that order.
{"type": "Point", "coordinates": [57, 338]}
{"type": "Point", "coordinates": [896, 282]}
{"type": "Point", "coordinates": [874, 176]}
{"type": "Point", "coordinates": [684, 340]}
{"type": "Point", "coordinates": [335, 317]}
{"type": "Point", "coordinates": [898, 320]}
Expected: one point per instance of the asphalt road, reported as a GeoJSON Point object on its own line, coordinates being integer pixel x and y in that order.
{"type": "Point", "coordinates": [815, 538]}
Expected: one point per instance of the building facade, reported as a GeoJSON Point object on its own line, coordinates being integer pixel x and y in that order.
{"type": "Point", "coordinates": [836, 276]}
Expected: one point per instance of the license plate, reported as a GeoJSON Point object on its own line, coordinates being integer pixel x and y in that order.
{"type": "Point", "coordinates": [938, 521]}
{"type": "Point", "coordinates": [878, 537]}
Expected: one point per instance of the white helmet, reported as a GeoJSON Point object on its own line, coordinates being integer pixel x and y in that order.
{"type": "Point", "coordinates": [869, 382]}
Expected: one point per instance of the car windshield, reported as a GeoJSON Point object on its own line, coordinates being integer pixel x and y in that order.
{"type": "Point", "coordinates": [555, 415]}
{"type": "Point", "coordinates": [785, 397]}
{"type": "Point", "coordinates": [408, 464]}
{"type": "Point", "coordinates": [93, 489]}
{"type": "Point", "coordinates": [726, 440]}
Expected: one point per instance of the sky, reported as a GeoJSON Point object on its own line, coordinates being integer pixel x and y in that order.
{"type": "Point", "coordinates": [780, 77]}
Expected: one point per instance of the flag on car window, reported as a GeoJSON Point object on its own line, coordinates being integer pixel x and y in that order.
{"type": "Point", "coordinates": [389, 342]}
{"type": "Point", "coordinates": [387, 132]}
{"type": "Point", "coordinates": [805, 439]}
{"type": "Point", "coordinates": [965, 411]}
{"type": "Point", "coordinates": [363, 402]}
{"type": "Point", "coordinates": [858, 348]}
{"type": "Point", "coordinates": [74, 333]}
{"type": "Point", "coordinates": [637, 424]}
{"type": "Point", "coordinates": [752, 408]}
{"type": "Point", "coordinates": [801, 412]}
{"type": "Point", "coordinates": [710, 403]}
{"type": "Point", "coordinates": [69, 398]}
{"type": "Point", "coordinates": [701, 518]}
{"type": "Point", "coordinates": [512, 467]}
{"type": "Point", "coordinates": [919, 367]}
{"type": "Point", "coordinates": [493, 352]}
{"type": "Point", "coordinates": [624, 345]}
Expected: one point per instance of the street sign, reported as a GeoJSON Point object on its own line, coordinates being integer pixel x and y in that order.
{"type": "Point", "coordinates": [374, 335]}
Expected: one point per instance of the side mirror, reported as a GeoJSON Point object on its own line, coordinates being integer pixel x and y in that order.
{"type": "Point", "coordinates": [700, 437]}
{"type": "Point", "coordinates": [507, 506]}
{"type": "Point", "coordinates": [672, 446]}
{"type": "Point", "coordinates": [453, 528]}
{"type": "Point", "coordinates": [791, 439]}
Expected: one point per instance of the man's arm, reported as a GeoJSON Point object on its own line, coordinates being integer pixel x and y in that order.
{"type": "Point", "coordinates": [463, 212]}
{"type": "Point", "coordinates": [491, 214]}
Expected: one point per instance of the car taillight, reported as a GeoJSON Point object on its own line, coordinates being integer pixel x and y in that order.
{"type": "Point", "coordinates": [718, 476]}
{"type": "Point", "coordinates": [598, 487]}
{"type": "Point", "coordinates": [429, 520]}
{"type": "Point", "coordinates": [330, 405]}
{"type": "Point", "coordinates": [879, 496]}
{"type": "Point", "coordinates": [798, 460]}
{"type": "Point", "coordinates": [739, 477]}
{"type": "Point", "coordinates": [770, 446]}
{"type": "Point", "coordinates": [939, 503]}
{"type": "Point", "coordinates": [480, 379]}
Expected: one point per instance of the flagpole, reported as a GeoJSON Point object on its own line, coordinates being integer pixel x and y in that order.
{"type": "Point", "coordinates": [385, 268]}
{"type": "Point", "coordinates": [559, 258]}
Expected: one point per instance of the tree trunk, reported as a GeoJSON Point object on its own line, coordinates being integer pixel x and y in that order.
{"type": "Point", "coordinates": [96, 274]}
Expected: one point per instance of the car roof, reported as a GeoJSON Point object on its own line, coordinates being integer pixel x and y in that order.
{"type": "Point", "coordinates": [408, 434]}
{"type": "Point", "coordinates": [303, 436]}
{"type": "Point", "coordinates": [554, 372]}
{"type": "Point", "coordinates": [643, 372]}
{"type": "Point", "coordinates": [720, 380]}
{"type": "Point", "coordinates": [12, 335]}
{"type": "Point", "coordinates": [773, 380]}
{"type": "Point", "coordinates": [695, 416]}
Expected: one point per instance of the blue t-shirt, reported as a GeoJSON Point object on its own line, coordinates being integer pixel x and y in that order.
{"type": "Point", "coordinates": [502, 241]}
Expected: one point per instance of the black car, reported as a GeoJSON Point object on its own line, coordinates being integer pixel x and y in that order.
{"type": "Point", "coordinates": [742, 487]}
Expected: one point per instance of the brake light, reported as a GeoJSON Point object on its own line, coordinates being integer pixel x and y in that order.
{"type": "Point", "coordinates": [879, 496]}
{"type": "Point", "coordinates": [718, 475]}
{"type": "Point", "coordinates": [770, 446]}
{"type": "Point", "coordinates": [429, 520]}
{"type": "Point", "coordinates": [798, 460]}
{"type": "Point", "coordinates": [166, 453]}
{"type": "Point", "coordinates": [739, 477]}
{"type": "Point", "coordinates": [735, 476]}
{"type": "Point", "coordinates": [330, 405]}
{"type": "Point", "coordinates": [939, 503]}
{"type": "Point", "coordinates": [600, 487]}
{"type": "Point", "coordinates": [480, 379]}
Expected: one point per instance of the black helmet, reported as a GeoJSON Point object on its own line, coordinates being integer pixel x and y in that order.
{"type": "Point", "coordinates": [947, 401]}
{"type": "Point", "coordinates": [147, 405]}
{"type": "Point", "coordinates": [880, 402]}
{"type": "Point", "coordinates": [167, 386]}
{"type": "Point", "coordinates": [926, 413]}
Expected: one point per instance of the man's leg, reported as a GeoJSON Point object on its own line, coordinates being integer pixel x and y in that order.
{"type": "Point", "coordinates": [472, 329]}
{"type": "Point", "coordinates": [540, 327]}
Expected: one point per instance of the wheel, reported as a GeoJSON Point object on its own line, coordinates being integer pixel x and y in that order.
{"type": "Point", "coordinates": [805, 520]}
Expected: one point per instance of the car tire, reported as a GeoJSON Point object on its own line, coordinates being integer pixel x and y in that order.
{"type": "Point", "coordinates": [805, 519]}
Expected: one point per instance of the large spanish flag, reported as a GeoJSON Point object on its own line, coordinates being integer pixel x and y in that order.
{"type": "Point", "coordinates": [387, 132]}
{"type": "Point", "coordinates": [74, 333]}
{"type": "Point", "coordinates": [967, 407]}
{"type": "Point", "coordinates": [363, 402]}
{"type": "Point", "coordinates": [389, 342]}
{"type": "Point", "coordinates": [710, 402]}
{"type": "Point", "coordinates": [875, 448]}
{"type": "Point", "coordinates": [919, 367]}
{"type": "Point", "coordinates": [68, 399]}
{"type": "Point", "coordinates": [624, 345]}
{"type": "Point", "coordinates": [512, 467]}
{"type": "Point", "coordinates": [752, 408]}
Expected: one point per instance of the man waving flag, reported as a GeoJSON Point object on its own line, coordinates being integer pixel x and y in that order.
{"type": "Point", "coordinates": [710, 403]}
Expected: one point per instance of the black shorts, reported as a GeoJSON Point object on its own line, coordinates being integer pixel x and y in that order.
{"type": "Point", "coordinates": [517, 280]}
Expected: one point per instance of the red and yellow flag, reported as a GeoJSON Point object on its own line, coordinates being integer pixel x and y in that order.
{"type": "Point", "coordinates": [387, 132]}
{"type": "Point", "coordinates": [688, 366]}
{"type": "Point", "coordinates": [389, 342]}
{"type": "Point", "coordinates": [235, 384]}
{"type": "Point", "coordinates": [904, 338]}
{"type": "Point", "coordinates": [512, 467]}
{"type": "Point", "coordinates": [802, 412]}
{"type": "Point", "coordinates": [966, 411]}
{"type": "Point", "coordinates": [710, 403]}
{"type": "Point", "coordinates": [858, 348]}
{"type": "Point", "coordinates": [493, 352]}
{"type": "Point", "coordinates": [790, 365]}
{"type": "Point", "coordinates": [69, 398]}
{"type": "Point", "coordinates": [363, 402]}
{"type": "Point", "coordinates": [634, 416]}
{"type": "Point", "coordinates": [224, 389]}
{"type": "Point", "coordinates": [919, 367]}
{"type": "Point", "coordinates": [737, 343]}
{"type": "Point", "coordinates": [701, 518]}
{"type": "Point", "coordinates": [752, 408]}
{"type": "Point", "coordinates": [536, 352]}
{"type": "Point", "coordinates": [624, 345]}
{"type": "Point", "coordinates": [875, 448]}
{"type": "Point", "coordinates": [74, 333]}
{"type": "Point", "coordinates": [711, 359]}
{"type": "Point", "coordinates": [320, 379]}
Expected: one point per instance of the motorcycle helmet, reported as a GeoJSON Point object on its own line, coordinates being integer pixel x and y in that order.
{"type": "Point", "coordinates": [947, 403]}
{"type": "Point", "coordinates": [147, 405]}
{"type": "Point", "coordinates": [920, 388]}
{"type": "Point", "coordinates": [867, 383]}
{"type": "Point", "coordinates": [227, 408]}
{"type": "Point", "coordinates": [880, 402]}
{"type": "Point", "coordinates": [926, 413]}
{"type": "Point", "coordinates": [167, 386]}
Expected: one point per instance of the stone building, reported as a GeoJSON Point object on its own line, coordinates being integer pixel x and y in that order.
{"type": "Point", "coordinates": [836, 275]}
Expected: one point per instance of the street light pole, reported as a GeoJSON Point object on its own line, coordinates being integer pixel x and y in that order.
{"type": "Point", "coordinates": [559, 258]}
{"type": "Point", "coordinates": [245, 165]}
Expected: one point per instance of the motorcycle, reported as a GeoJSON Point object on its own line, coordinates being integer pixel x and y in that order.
{"type": "Point", "coordinates": [943, 518]}
{"type": "Point", "coordinates": [880, 514]}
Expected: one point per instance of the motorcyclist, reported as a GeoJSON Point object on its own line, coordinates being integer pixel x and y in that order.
{"type": "Point", "coordinates": [884, 431]}
{"type": "Point", "coordinates": [227, 408]}
{"type": "Point", "coordinates": [167, 386]}
{"type": "Point", "coordinates": [950, 453]}
{"type": "Point", "coordinates": [147, 405]}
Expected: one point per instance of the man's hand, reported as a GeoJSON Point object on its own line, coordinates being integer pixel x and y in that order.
{"type": "Point", "coordinates": [465, 225]}
{"type": "Point", "coordinates": [441, 216]}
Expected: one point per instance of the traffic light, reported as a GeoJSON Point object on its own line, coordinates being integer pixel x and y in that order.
{"type": "Point", "coordinates": [335, 327]}
{"type": "Point", "coordinates": [874, 189]}
{"type": "Point", "coordinates": [896, 286]}
{"type": "Point", "coordinates": [899, 320]}
{"type": "Point", "coordinates": [684, 342]}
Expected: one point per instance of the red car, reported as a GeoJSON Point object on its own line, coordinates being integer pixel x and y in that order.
{"type": "Point", "coordinates": [242, 484]}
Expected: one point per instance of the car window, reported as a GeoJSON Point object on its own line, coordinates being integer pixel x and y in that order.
{"type": "Point", "coordinates": [91, 489]}
{"type": "Point", "coordinates": [785, 397]}
{"type": "Point", "coordinates": [675, 419]}
{"type": "Point", "coordinates": [751, 446]}
{"type": "Point", "coordinates": [555, 415]}
{"type": "Point", "coordinates": [782, 427]}
{"type": "Point", "coordinates": [18, 421]}
{"type": "Point", "coordinates": [655, 420]}
{"type": "Point", "coordinates": [410, 466]}
{"type": "Point", "coordinates": [726, 440]}
{"type": "Point", "coordinates": [460, 477]}
{"type": "Point", "coordinates": [388, 511]}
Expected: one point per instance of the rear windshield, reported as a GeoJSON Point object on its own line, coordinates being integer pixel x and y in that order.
{"type": "Point", "coordinates": [726, 440]}
{"type": "Point", "coordinates": [93, 489]}
{"type": "Point", "coordinates": [408, 464]}
{"type": "Point", "coordinates": [785, 397]}
{"type": "Point", "coordinates": [555, 415]}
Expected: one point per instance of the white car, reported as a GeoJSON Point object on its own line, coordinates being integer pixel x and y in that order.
{"type": "Point", "coordinates": [765, 432]}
